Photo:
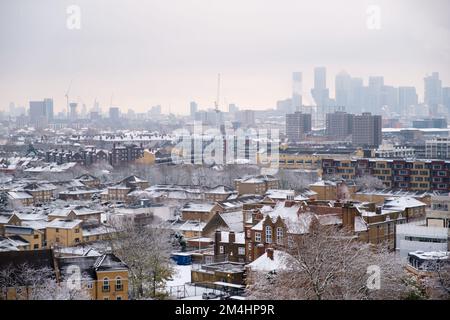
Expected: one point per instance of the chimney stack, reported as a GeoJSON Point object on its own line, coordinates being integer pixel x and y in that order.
{"type": "Point", "coordinates": [269, 252]}
{"type": "Point", "coordinates": [218, 236]}
{"type": "Point", "coordinates": [289, 203]}
{"type": "Point", "coordinates": [231, 237]}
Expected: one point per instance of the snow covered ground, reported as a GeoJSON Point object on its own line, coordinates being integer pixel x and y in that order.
{"type": "Point", "coordinates": [180, 288]}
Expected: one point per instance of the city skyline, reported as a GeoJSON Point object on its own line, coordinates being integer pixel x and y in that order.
{"type": "Point", "coordinates": [129, 53]}
{"type": "Point", "coordinates": [296, 85]}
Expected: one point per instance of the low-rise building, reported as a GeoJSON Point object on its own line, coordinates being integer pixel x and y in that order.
{"type": "Point", "coordinates": [64, 232]}
{"type": "Point", "coordinates": [256, 184]}
{"type": "Point", "coordinates": [229, 245]}
{"type": "Point", "coordinates": [33, 237]}
{"type": "Point", "coordinates": [199, 211]}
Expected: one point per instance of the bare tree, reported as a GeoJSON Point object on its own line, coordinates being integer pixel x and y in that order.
{"type": "Point", "coordinates": [330, 263]}
{"type": "Point", "coordinates": [369, 182]}
{"type": "Point", "coordinates": [292, 180]}
{"type": "Point", "coordinates": [39, 284]}
{"type": "Point", "coordinates": [146, 251]}
{"type": "Point", "coordinates": [438, 285]}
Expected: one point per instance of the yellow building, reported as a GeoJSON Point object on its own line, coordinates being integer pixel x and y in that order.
{"type": "Point", "coordinates": [299, 161]}
{"type": "Point", "coordinates": [331, 190]}
{"type": "Point", "coordinates": [33, 237]}
{"type": "Point", "coordinates": [8, 219]}
{"type": "Point", "coordinates": [149, 158]}
{"type": "Point", "coordinates": [105, 277]}
{"type": "Point", "coordinates": [63, 232]}
{"type": "Point", "coordinates": [40, 192]}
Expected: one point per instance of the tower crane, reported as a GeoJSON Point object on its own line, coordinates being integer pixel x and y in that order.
{"type": "Point", "coordinates": [67, 97]}
{"type": "Point", "coordinates": [216, 103]}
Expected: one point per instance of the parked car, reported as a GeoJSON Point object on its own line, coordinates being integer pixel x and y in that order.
{"type": "Point", "coordinates": [225, 296]}
{"type": "Point", "coordinates": [209, 295]}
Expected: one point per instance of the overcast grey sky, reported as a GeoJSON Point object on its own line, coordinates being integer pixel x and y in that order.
{"type": "Point", "coordinates": [169, 52]}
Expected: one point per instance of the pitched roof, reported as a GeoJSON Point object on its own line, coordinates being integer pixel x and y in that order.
{"type": "Point", "coordinates": [109, 262]}
{"type": "Point", "coordinates": [64, 223]}
{"type": "Point", "coordinates": [33, 258]}
{"type": "Point", "coordinates": [280, 261]}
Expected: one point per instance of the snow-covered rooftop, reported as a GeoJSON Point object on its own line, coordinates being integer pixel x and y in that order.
{"type": "Point", "coordinates": [280, 261]}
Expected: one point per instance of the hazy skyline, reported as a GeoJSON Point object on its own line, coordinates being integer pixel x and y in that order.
{"type": "Point", "coordinates": [169, 52]}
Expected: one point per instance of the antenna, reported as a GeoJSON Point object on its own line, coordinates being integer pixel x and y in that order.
{"type": "Point", "coordinates": [216, 103]}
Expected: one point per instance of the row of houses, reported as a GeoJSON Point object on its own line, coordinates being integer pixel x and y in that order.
{"type": "Point", "coordinates": [102, 276]}
{"type": "Point", "coordinates": [64, 227]}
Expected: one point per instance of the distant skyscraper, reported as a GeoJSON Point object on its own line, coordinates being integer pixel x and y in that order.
{"type": "Point", "coordinates": [320, 92]}
{"type": "Point", "coordinates": [37, 109]}
{"type": "Point", "coordinates": [246, 117]}
{"type": "Point", "coordinates": [367, 130]}
{"type": "Point", "coordinates": [446, 98]}
{"type": "Point", "coordinates": [374, 100]}
{"type": "Point", "coordinates": [356, 95]}
{"type": "Point", "coordinates": [407, 96]}
{"type": "Point", "coordinates": [48, 105]}
{"type": "Point", "coordinates": [193, 108]}
{"type": "Point", "coordinates": [37, 114]}
{"type": "Point", "coordinates": [114, 114]}
{"type": "Point", "coordinates": [343, 83]}
{"type": "Point", "coordinates": [433, 89]}
{"type": "Point", "coordinates": [389, 97]}
{"type": "Point", "coordinates": [297, 79]}
{"type": "Point", "coordinates": [297, 125]}
{"type": "Point", "coordinates": [156, 110]}
{"type": "Point", "coordinates": [73, 111]}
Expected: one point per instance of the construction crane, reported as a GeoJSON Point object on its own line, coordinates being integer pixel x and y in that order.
{"type": "Point", "coordinates": [67, 97]}
{"type": "Point", "coordinates": [216, 103]}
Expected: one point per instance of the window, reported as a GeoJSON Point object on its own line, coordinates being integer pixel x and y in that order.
{"type": "Point", "coordinates": [257, 236]}
{"type": "Point", "coordinates": [77, 230]}
{"type": "Point", "coordinates": [105, 287]}
{"type": "Point", "coordinates": [77, 240]}
{"type": "Point", "coordinates": [90, 285]}
{"type": "Point", "coordinates": [118, 298]}
{"type": "Point", "coordinates": [36, 236]}
{"type": "Point", "coordinates": [119, 285]}
{"type": "Point", "coordinates": [57, 239]}
{"type": "Point", "coordinates": [241, 251]}
{"type": "Point", "coordinates": [57, 230]}
{"type": "Point", "coordinates": [279, 235]}
{"type": "Point", "coordinates": [268, 234]}
{"type": "Point", "coordinates": [36, 246]}
{"type": "Point", "coordinates": [221, 249]}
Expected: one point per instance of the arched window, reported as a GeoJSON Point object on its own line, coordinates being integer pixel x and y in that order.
{"type": "Point", "coordinates": [105, 287]}
{"type": "Point", "coordinates": [119, 285]}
